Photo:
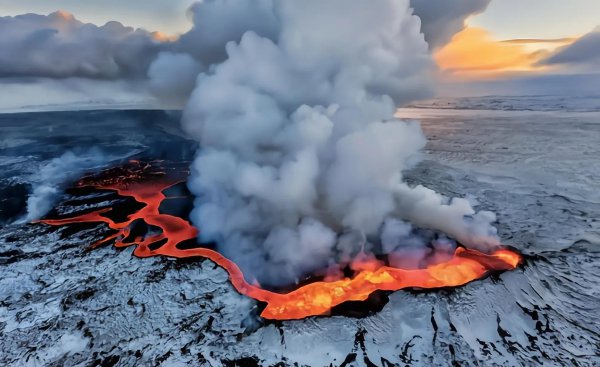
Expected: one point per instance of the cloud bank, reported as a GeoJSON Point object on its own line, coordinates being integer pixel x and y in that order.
{"type": "Point", "coordinates": [441, 19]}
{"type": "Point", "coordinates": [60, 46]}
{"type": "Point", "coordinates": [584, 52]}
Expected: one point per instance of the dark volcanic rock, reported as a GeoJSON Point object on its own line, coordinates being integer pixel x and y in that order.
{"type": "Point", "coordinates": [13, 202]}
{"type": "Point", "coordinates": [61, 305]}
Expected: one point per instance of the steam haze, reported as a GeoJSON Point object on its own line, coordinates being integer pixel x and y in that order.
{"type": "Point", "coordinates": [51, 179]}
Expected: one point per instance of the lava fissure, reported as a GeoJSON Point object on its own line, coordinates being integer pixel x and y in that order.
{"type": "Point", "coordinates": [312, 299]}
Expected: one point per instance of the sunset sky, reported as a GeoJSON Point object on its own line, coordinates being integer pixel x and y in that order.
{"type": "Point", "coordinates": [504, 19]}
{"type": "Point", "coordinates": [510, 36]}
{"type": "Point", "coordinates": [514, 36]}
{"type": "Point", "coordinates": [509, 40]}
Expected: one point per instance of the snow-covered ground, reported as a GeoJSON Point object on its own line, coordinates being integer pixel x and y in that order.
{"type": "Point", "coordinates": [514, 103]}
{"type": "Point", "coordinates": [538, 170]}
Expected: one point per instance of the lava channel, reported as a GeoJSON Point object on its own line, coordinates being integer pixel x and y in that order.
{"type": "Point", "coordinates": [316, 298]}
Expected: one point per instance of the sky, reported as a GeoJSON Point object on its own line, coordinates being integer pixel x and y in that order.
{"type": "Point", "coordinates": [168, 16]}
{"type": "Point", "coordinates": [512, 19]}
{"type": "Point", "coordinates": [510, 40]}
{"type": "Point", "coordinates": [504, 19]}
{"type": "Point", "coordinates": [517, 39]}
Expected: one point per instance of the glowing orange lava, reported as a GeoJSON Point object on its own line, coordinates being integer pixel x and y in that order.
{"type": "Point", "coordinates": [316, 298]}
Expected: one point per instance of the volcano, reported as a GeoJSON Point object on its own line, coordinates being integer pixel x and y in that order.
{"type": "Point", "coordinates": [68, 298]}
{"type": "Point", "coordinates": [169, 235]}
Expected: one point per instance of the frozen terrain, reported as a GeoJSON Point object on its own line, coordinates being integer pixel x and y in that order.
{"type": "Point", "coordinates": [514, 103]}
{"type": "Point", "coordinates": [539, 170]}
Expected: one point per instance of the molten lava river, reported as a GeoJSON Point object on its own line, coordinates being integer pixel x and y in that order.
{"type": "Point", "coordinates": [146, 184]}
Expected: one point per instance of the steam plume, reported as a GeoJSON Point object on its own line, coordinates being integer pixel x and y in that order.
{"type": "Point", "coordinates": [49, 182]}
{"type": "Point", "coordinates": [301, 157]}
{"type": "Point", "coordinates": [217, 22]}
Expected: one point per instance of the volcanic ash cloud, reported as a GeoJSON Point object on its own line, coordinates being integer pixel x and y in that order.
{"type": "Point", "coordinates": [301, 160]}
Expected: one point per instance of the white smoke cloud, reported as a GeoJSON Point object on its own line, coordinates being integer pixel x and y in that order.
{"type": "Point", "coordinates": [172, 76]}
{"type": "Point", "coordinates": [60, 46]}
{"type": "Point", "coordinates": [408, 248]}
{"type": "Point", "coordinates": [48, 183]}
{"type": "Point", "coordinates": [218, 22]}
{"type": "Point", "coordinates": [215, 23]}
{"type": "Point", "coordinates": [301, 158]}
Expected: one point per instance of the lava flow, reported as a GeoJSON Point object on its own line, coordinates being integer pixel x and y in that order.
{"type": "Point", "coordinates": [315, 298]}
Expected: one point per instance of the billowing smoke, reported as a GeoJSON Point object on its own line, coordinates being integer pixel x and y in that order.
{"type": "Point", "coordinates": [49, 182]}
{"type": "Point", "coordinates": [301, 162]}
{"type": "Point", "coordinates": [60, 46]}
{"type": "Point", "coordinates": [173, 74]}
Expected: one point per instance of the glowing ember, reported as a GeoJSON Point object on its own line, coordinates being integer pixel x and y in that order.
{"type": "Point", "coordinates": [316, 298]}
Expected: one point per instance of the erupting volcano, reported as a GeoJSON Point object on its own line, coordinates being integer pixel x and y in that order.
{"type": "Point", "coordinates": [146, 183]}
{"type": "Point", "coordinates": [299, 183]}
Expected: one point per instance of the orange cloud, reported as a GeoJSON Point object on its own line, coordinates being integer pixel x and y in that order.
{"type": "Point", "coordinates": [473, 53]}
{"type": "Point", "coordinates": [529, 41]}
{"type": "Point", "coordinates": [163, 37]}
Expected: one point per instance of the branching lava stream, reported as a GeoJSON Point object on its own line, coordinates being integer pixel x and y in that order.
{"type": "Point", "coordinates": [315, 298]}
